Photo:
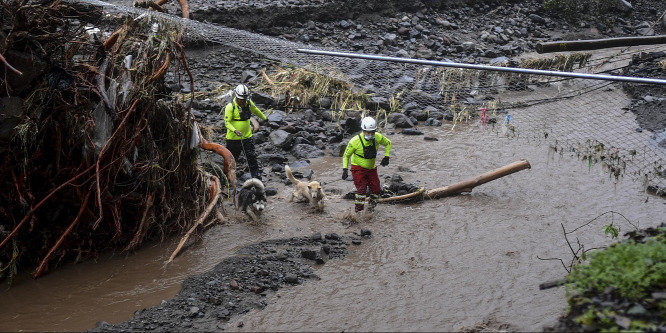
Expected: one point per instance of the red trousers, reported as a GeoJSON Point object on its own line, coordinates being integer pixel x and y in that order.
{"type": "Point", "coordinates": [364, 178]}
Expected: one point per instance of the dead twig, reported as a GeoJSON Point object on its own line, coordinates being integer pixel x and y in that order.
{"type": "Point", "coordinates": [216, 187]}
{"type": "Point", "coordinates": [140, 231]}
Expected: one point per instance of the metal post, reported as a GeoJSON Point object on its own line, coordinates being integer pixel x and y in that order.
{"type": "Point", "coordinates": [487, 67]}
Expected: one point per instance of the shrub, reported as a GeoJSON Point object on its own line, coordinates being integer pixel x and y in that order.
{"type": "Point", "coordinates": [631, 268]}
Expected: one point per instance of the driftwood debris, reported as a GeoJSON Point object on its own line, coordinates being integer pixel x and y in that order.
{"type": "Point", "coordinates": [552, 284]}
{"type": "Point", "coordinates": [463, 186]}
{"type": "Point", "coordinates": [596, 44]}
{"type": "Point", "coordinates": [94, 159]}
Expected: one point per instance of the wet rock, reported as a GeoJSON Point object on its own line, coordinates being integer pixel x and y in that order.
{"type": "Point", "coordinates": [273, 158]}
{"type": "Point", "coordinates": [411, 131]}
{"type": "Point", "coordinates": [316, 255]}
{"type": "Point", "coordinates": [351, 125]}
{"type": "Point", "coordinates": [432, 122]}
{"type": "Point", "coordinates": [271, 191]}
{"type": "Point", "coordinates": [307, 151]}
{"type": "Point", "coordinates": [291, 278]}
{"type": "Point", "coordinates": [332, 236]}
{"type": "Point", "coordinates": [281, 138]}
{"type": "Point", "coordinates": [276, 117]}
{"type": "Point", "coordinates": [400, 120]}
{"type": "Point", "coordinates": [262, 99]}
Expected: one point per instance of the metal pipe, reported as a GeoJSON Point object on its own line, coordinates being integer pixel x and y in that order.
{"type": "Point", "coordinates": [487, 67]}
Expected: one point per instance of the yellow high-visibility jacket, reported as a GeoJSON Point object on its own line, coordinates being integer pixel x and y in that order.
{"type": "Point", "coordinates": [355, 151]}
{"type": "Point", "coordinates": [232, 120]}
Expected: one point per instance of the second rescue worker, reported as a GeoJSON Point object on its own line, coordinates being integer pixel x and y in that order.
{"type": "Point", "coordinates": [362, 149]}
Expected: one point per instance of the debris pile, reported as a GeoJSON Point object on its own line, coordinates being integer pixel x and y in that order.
{"type": "Point", "coordinates": [96, 154]}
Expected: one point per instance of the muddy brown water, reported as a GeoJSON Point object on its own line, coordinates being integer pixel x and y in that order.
{"type": "Point", "coordinates": [438, 265]}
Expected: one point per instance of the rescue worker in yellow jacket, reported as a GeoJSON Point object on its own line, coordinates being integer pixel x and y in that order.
{"type": "Point", "coordinates": [362, 149]}
{"type": "Point", "coordinates": [237, 115]}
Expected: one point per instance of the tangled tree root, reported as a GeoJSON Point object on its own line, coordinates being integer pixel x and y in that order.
{"type": "Point", "coordinates": [99, 155]}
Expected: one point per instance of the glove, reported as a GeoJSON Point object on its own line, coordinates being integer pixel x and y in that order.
{"type": "Point", "coordinates": [237, 132]}
{"type": "Point", "coordinates": [385, 161]}
{"type": "Point", "coordinates": [344, 173]}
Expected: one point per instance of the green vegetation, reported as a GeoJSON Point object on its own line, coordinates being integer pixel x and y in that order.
{"type": "Point", "coordinates": [631, 268]}
{"type": "Point", "coordinates": [620, 288]}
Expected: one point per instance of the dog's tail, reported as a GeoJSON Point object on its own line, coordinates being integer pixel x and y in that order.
{"type": "Point", "coordinates": [290, 175]}
{"type": "Point", "coordinates": [254, 182]}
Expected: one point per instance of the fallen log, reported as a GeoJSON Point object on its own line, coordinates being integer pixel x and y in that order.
{"type": "Point", "coordinates": [468, 185]}
{"type": "Point", "coordinates": [595, 44]}
{"type": "Point", "coordinates": [464, 186]}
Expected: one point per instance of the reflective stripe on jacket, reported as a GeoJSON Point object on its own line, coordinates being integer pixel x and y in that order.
{"type": "Point", "coordinates": [355, 151]}
{"type": "Point", "coordinates": [232, 120]}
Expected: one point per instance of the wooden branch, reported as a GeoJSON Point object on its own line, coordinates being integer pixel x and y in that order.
{"type": "Point", "coordinates": [595, 44]}
{"type": "Point", "coordinates": [216, 185]}
{"type": "Point", "coordinates": [414, 195]}
{"type": "Point", "coordinates": [112, 39]}
{"type": "Point", "coordinates": [468, 185]}
{"type": "Point", "coordinates": [552, 284]}
{"type": "Point", "coordinates": [159, 73]}
{"type": "Point", "coordinates": [140, 231]}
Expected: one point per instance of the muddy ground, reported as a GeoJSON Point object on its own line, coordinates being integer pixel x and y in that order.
{"type": "Point", "coordinates": [207, 302]}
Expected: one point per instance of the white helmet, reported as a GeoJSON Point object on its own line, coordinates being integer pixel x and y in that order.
{"type": "Point", "coordinates": [242, 92]}
{"type": "Point", "coordinates": [368, 124]}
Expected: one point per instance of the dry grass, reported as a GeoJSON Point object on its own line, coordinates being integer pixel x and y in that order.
{"type": "Point", "coordinates": [303, 88]}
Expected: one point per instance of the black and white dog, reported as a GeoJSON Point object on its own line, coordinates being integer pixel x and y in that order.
{"type": "Point", "coordinates": [252, 198]}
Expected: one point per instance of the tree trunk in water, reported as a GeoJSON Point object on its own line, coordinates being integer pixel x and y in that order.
{"type": "Point", "coordinates": [468, 185]}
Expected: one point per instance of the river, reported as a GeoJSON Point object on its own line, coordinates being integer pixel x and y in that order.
{"type": "Point", "coordinates": [438, 265]}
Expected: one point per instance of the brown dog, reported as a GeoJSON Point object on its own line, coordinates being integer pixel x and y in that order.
{"type": "Point", "coordinates": [310, 192]}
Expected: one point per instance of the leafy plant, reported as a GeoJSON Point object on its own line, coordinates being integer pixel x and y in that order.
{"type": "Point", "coordinates": [611, 230]}
{"type": "Point", "coordinates": [628, 267]}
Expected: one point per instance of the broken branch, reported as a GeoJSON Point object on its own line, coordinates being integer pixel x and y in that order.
{"type": "Point", "coordinates": [216, 186]}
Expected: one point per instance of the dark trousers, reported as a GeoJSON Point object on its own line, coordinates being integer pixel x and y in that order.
{"type": "Point", "coordinates": [246, 146]}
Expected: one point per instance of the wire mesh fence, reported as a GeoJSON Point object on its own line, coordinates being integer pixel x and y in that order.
{"type": "Point", "coordinates": [588, 118]}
